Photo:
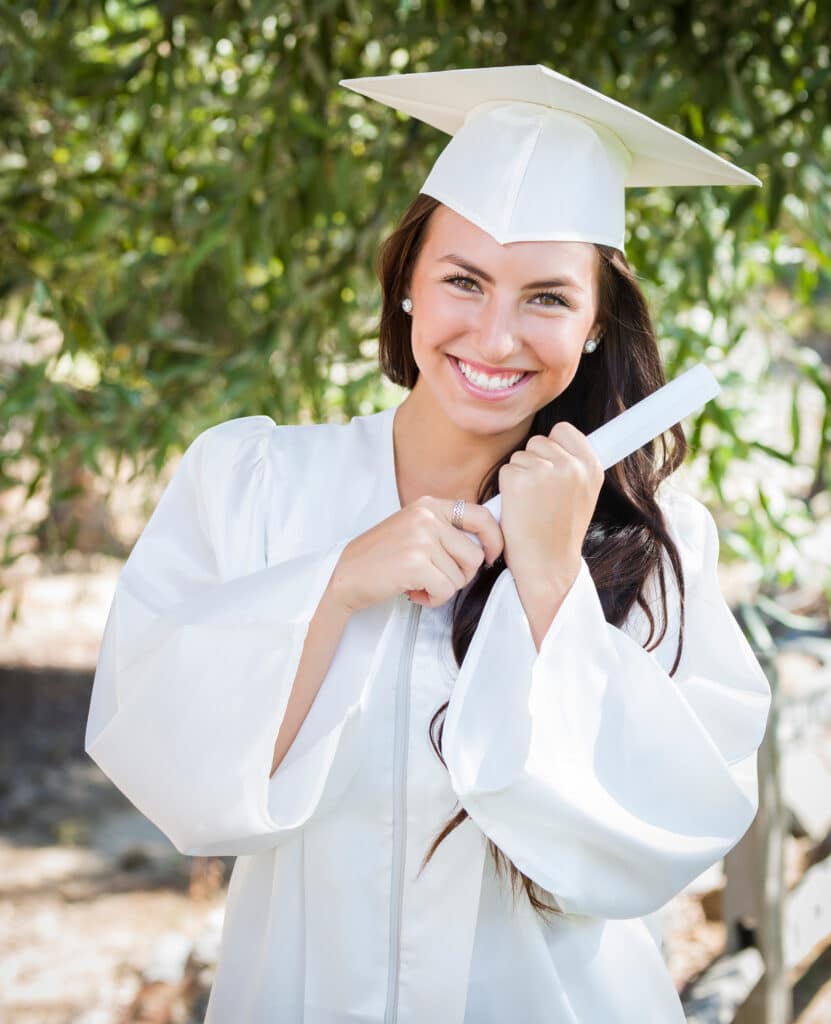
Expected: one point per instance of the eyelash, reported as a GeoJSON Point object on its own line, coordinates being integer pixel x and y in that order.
{"type": "Point", "coordinates": [461, 277]}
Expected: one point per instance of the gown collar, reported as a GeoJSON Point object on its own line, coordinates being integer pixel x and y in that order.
{"type": "Point", "coordinates": [387, 484]}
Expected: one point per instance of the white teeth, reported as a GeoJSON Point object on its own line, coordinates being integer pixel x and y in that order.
{"type": "Point", "coordinates": [489, 383]}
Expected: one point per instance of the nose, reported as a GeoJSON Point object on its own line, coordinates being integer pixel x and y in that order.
{"type": "Point", "coordinates": [497, 331]}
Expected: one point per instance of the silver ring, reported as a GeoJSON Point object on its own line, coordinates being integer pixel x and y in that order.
{"type": "Point", "coordinates": [458, 514]}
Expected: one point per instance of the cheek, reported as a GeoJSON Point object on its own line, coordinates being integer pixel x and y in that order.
{"type": "Point", "coordinates": [557, 344]}
{"type": "Point", "coordinates": [440, 320]}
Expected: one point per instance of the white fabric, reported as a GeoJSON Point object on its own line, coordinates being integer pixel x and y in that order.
{"type": "Point", "coordinates": [608, 782]}
{"type": "Point", "coordinates": [552, 157]}
{"type": "Point", "coordinates": [542, 174]}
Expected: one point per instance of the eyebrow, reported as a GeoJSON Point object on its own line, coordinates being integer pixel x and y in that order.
{"type": "Point", "coordinates": [560, 282]}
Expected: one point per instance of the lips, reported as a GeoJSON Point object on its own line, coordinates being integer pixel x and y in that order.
{"type": "Point", "coordinates": [489, 371]}
{"type": "Point", "coordinates": [487, 394]}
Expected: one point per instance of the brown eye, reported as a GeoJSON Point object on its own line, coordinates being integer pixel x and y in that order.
{"type": "Point", "coordinates": [558, 299]}
{"type": "Point", "coordinates": [456, 278]}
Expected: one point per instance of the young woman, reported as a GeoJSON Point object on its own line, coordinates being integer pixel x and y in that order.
{"type": "Point", "coordinates": [459, 778]}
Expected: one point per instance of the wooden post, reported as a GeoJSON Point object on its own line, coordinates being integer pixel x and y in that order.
{"type": "Point", "coordinates": [755, 868]}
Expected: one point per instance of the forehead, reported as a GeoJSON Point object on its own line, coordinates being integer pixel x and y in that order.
{"type": "Point", "coordinates": [450, 232]}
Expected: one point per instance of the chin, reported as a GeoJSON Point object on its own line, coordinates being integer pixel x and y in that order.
{"type": "Point", "coordinates": [485, 422]}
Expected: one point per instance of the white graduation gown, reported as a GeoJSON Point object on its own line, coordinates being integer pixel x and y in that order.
{"type": "Point", "coordinates": [608, 782]}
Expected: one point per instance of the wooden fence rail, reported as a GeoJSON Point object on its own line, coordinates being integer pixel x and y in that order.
{"type": "Point", "coordinates": [770, 930]}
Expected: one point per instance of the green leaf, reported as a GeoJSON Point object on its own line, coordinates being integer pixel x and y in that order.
{"type": "Point", "coordinates": [796, 425]}
{"type": "Point", "coordinates": [775, 195]}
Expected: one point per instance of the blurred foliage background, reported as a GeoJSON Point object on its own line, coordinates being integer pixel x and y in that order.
{"type": "Point", "coordinates": [190, 207]}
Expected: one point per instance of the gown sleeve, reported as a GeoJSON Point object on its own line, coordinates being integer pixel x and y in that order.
{"type": "Point", "coordinates": [199, 653]}
{"type": "Point", "coordinates": [608, 782]}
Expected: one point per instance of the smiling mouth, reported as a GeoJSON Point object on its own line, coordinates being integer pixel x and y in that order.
{"type": "Point", "coordinates": [508, 371]}
{"type": "Point", "coordinates": [490, 391]}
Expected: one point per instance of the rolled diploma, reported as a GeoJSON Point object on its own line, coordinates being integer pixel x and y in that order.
{"type": "Point", "coordinates": [643, 422]}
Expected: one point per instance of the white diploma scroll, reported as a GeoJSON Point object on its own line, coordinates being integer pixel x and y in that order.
{"type": "Point", "coordinates": [643, 422]}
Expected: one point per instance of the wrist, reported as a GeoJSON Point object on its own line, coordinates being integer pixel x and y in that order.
{"type": "Point", "coordinates": [544, 584]}
{"type": "Point", "coordinates": [337, 593]}
{"type": "Point", "coordinates": [541, 598]}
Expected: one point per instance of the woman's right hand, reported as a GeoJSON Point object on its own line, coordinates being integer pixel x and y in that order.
{"type": "Point", "coordinates": [419, 550]}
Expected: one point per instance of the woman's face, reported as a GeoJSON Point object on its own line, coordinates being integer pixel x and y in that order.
{"type": "Point", "coordinates": [501, 309]}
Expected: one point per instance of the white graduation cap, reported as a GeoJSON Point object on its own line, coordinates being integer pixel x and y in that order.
{"type": "Point", "coordinates": [536, 156]}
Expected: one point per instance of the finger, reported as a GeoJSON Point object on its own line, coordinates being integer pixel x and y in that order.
{"type": "Point", "coordinates": [540, 444]}
{"type": "Point", "coordinates": [465, 551]}
{"type": "Point", "coordinates": [478, 520]}
{"type": "Point", "coordinates": [447, 565]}
{"type": "Point", "coordinates": [547, 451]}
{"type": "Point", "coordinates": [436, 571]}
{"type": "Point", "coordinates": [573, 440]}
{"type": "Point", "coordinates": [567, 442]}
{"type": "Point", "coordinates": [440, 581]}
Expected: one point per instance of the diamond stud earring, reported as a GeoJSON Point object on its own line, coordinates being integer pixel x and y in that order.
{"type": "Point", "coordinates": [407, 305]}
{"type": "Point", "coordinates": [591, 345]}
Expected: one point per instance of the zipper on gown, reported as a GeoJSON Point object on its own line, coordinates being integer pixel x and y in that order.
{"type": "Point", "coordinates": [399, 820]}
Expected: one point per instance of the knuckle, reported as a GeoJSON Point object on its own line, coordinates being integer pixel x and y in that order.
{"type": "Point", "coordinates": [421, 537]}
{"type": "Point", "coordinates": [420, 511]}
{"type": "Point", "coordinates": [473, 564]}
{"type": "Point", "coordinates": [413, 559]}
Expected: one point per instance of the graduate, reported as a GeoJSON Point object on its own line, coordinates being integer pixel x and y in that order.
{"type": "Point", "coordinates": [462, 762]}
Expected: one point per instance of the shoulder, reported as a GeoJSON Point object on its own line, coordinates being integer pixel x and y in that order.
{"type": "Point", "coordinates": [223, 443]}
{"type": "Point", "coordinates": [302, 478]}
{"type": "Point", "coordinates": [692, 527]}
{"type": "Point", "coordinates": [249, 442]}
{"type": "Point", "coordinates": [693, 530]}
{"type": "Point", "coordinates": [254, 473]}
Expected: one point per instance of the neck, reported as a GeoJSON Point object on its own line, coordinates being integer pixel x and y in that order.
{"type": "Point", "coordinates": [436, 456]}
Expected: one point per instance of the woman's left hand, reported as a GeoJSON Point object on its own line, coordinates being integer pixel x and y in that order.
{"type": "Point", "coordinates": [549, 491]}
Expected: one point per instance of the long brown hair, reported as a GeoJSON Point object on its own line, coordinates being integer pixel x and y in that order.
{"type": "Point", "coordinates": [624, 541]}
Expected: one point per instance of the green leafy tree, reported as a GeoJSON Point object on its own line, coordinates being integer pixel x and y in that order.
{"type": "Point", "coordinates": [191, 205]}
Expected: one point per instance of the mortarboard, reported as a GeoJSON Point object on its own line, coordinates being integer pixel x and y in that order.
{"type": "Point", "coordinates": [536, 156]}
